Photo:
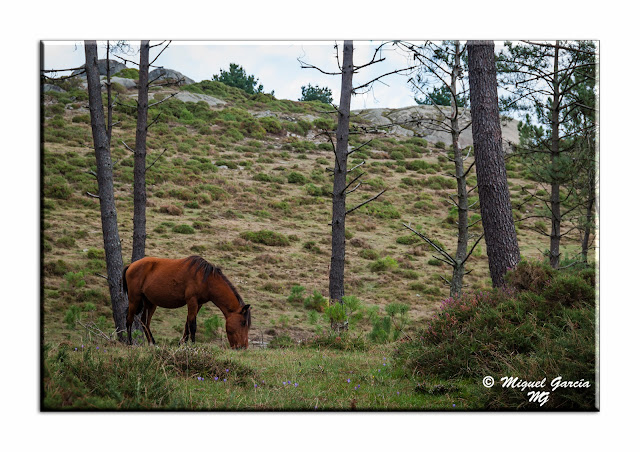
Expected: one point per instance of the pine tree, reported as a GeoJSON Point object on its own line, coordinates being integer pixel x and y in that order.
{"type": "Point", "coordinates": [493, 190]}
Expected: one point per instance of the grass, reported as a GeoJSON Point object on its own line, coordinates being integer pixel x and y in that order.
{"type": "Point", "coordinates": [84, 376]}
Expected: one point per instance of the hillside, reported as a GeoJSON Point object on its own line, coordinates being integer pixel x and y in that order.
{"type": "Point", "coordinates": [228, 164]}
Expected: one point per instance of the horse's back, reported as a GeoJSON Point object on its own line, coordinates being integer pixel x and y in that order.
{"type": "Point", "coordinates": [164, 282]}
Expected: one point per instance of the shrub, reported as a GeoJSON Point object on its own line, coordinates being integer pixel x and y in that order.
{"type": "Point", "coordinates": [85, 119]}
{"type": "Point", "coordinates": [296, 178]}
{"type": "Point", "coordinates": [530, 275]}
{"type": "Point", "coordinates": [171, 210]}
{"type": "Point", "coordinates": [266, 237]}
{"type": "Point", "coordinates": [384, 264]}
{"type": "Point", "coordinates": [569, 290]}
{"type": "Point", "coordinates": [271, 125]}
{"type": "Point", "coordinates": [57, 188]}
{"type": "Point", "coordinates": [296, 294]}
{"type": "Point", "coordinates": [384, 210]}
{"type": "Point", "coordinates": [315, 302]}
{"type": "Point", "coordinates": [131, 73]}
{"type": "Point", "coordinates": [416, 165]}
{"type": "Point", "coordinates": [324, 124]}
{"type": "Point", "coordinates": [408, 239]}
{"type": "Point", "coordinates": [66, 242]}
{"type": "Point", "coordinates": [95, 253]}
{"type": "Point", "coordinates": [509, 333]}
{"type": "Point", "coordinates": [183, 229]}
{"type": "Point", "coordinates": [71, 316]}
{"type": "Point", "coordinates": [57, 268]}
{"type": "Point", "coordinates": [440, 183]}
{"type": "Point", "coordinates": [369, 254]}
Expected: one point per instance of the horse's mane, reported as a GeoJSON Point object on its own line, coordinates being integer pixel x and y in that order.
{"type": "Point", "coordinates": [201, 264]}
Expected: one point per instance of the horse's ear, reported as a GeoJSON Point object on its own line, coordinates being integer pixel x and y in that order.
{"type": "Point", "coordinates": [245, 309]}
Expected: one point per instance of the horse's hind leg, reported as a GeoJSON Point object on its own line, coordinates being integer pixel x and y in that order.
{"type": "Point", "coordinates": [135, 305]}
{"type": "Point", "coordinates": [147, 313]}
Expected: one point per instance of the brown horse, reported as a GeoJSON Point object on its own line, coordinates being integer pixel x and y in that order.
{"type": "Point", "coordinates": [172, 283]}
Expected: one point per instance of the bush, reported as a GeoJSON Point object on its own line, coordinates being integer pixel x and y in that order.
{"type": "Point", "coordinates": [384, 264]}
{"type": "Point", "coordinates": [408, 240]}
{"type": "Point", "coordinates": [266, 237]}
{"type": "Point", "coordinates": [530, 275]}
{"type": "Point", "coordinates": [315, 302]}
{"type": "Point", "coordinates": [183, 229]}
{"type": "Point", "coordinates": [57, 268]}
{"type": "Point", "coordinates": [95, 253]}
{"type": "Point", "coordinates": [171, 210]}
{"type": "Point", "coordinates": [369, 254]}
{"type": "Point", "coordinates": [66, 242]}
{"type": "Point", "coordinates": [384, 210]}
{"type": "Point", "coordinates": [504, 332]}
{"type": "Point", "coordinates": [271, 125]}
{"type": "Point", "coordinates": [296, 178]}
{"type": "Point", "coordinates": [71, 316]}
{"type": "Point", "coordinates": [440, 183]}
{"type": "Point", "coordinates": [131, 73]}
{"type": "Point", "coordinates": [57, 188]}
{"type": "Point", "coordinates": [570, 290]}
{"type": "Point", "coordinates": [296, 294]}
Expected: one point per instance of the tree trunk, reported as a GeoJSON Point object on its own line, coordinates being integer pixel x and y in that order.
{"type": "Point", "coordinates": [554, 246]}
{"type": "Point", "coordinates": [336, 273]}
{"type": "Point", "coordinates": [493, 190]}
{"type": "Point", "coordinates": [140, 157]}
{"type": "Point", "coordinates": [108, 213]}
{"type": "Point", "coordinates": [463, 203]}
{"type": "Point", "coordinates": [589, 218]}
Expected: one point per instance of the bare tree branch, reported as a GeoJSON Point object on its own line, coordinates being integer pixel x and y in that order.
{"type": "Point", "coordinates": [451, 260]}
{"type": "Point", "coordinates": [161, 154]}
{"type": "Point", "coordinates": [366, 202]}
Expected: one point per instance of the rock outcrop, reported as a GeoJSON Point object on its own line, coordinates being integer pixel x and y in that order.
{"type": "Point", "coordinates": [186, 96]}
{"type": "Point", "coordinates": [169, 74]}
{"type": "Point", "coordinates": [423, 121]}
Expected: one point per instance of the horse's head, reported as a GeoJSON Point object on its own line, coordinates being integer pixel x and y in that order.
{"type": "Point", "coordinates": [238, 324]}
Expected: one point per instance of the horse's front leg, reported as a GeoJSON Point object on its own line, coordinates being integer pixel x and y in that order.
{"type": "Point", "coordinates": [190, 325]}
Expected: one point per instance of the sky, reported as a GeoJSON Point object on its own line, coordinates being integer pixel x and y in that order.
{"type": "Point", "coordinates": [274, 63]}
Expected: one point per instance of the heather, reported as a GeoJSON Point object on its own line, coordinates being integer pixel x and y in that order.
{"type": "Point", "coordinates": [544, 329]}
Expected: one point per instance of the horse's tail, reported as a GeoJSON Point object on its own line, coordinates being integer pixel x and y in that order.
{"type": "Point", "coordinates": [125, 289]}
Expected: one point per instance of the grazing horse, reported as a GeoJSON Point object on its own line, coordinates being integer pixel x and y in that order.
{"type": "Point", "coordinates": [172, 283]}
